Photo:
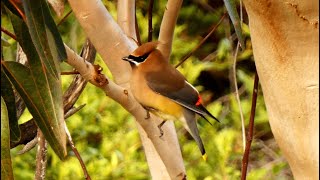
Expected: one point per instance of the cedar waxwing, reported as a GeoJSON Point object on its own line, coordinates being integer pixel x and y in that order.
{"type": "Point", "coordinates": [163, 90]}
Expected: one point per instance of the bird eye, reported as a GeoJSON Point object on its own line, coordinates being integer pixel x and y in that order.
{"type": "Point", "coordinates": [142, 58]}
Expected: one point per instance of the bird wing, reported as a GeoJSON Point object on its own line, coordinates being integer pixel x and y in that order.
{"type": "Point", "coordinates": [175, 87]}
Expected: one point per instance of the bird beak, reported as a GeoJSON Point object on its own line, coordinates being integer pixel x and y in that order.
{"type": "Point", "coordinates": [126, 58]}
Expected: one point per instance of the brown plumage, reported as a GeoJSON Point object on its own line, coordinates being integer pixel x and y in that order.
{"type": "Point", "coordinates": [163, 90]}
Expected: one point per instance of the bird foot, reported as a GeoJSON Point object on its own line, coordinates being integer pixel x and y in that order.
{"type": "Point", "coordinates": [148, 115]}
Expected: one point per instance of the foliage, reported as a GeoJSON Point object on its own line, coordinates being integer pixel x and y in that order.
{"type": "Point", "coordinates": [106, 135]}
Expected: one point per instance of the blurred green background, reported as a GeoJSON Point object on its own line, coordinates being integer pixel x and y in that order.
{"type": "Point", "coordinates": [106, 136]}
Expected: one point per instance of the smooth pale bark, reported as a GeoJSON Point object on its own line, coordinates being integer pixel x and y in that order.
{"type": "Point", "coordinates": [158, 170]}
{"type": "Point", "coordinates": [168, 24]}
{"type": "Point", "coordinates": [164, 147]}
{"type": "Point", "coordinates": [285, 39]}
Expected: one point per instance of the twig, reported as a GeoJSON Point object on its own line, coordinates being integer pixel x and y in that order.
{"type": "Point", "coordinates": [72, 111]}
{"type": "Point", "coordinates": [78, 84]}
{"type": "Point", "coordinates": [245, 158]}
{"type": "Point", "coordinates": [18, 9]}
{"type": "Point", "coordinates": [28, 133]}
{"type": "Point", "coordinates": [64, 18]}
{"type": "Point", "coordinates": [9, 33]}
{"type": "Point", "coordinates": [41, 160]}
{"type": "Point", "coordinates": [69, 73]}
{"type": "Point", "coordinates": [30, 145]}
{"type": "Point", "coordinates": [74, 149]}
{"type": "Point", "coordinates": [202, 41]}
{"type": "Point", "coordinates": [150, 29]}
{"type": "Point", "coordinates": [71, 95]}
{"type": "Point", "coordinates": [137, 27]}
{"type": "Point", "coordinates": [237, 94]}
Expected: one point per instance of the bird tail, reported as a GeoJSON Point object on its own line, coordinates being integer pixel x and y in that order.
{"type": "Point", "coordinates": [190, 124]}
{"type": "Point", "coordinates": [206, 112]}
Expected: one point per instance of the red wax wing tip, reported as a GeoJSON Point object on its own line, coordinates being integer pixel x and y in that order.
{"type": "Point", "coordinates": [198, 103]}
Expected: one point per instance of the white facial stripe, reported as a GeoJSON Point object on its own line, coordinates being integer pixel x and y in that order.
{"type": "Point", "coordinates": [134, 62]}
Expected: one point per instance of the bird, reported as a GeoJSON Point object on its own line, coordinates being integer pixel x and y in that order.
{"type": "Point", "coordinates": [162, 90]}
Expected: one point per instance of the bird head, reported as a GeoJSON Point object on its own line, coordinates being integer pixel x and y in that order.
{"type": "Point", "coordinates": [141, 53]}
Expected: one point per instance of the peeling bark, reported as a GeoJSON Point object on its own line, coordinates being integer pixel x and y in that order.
{"type": "Point", "coordinates": [285, 39]}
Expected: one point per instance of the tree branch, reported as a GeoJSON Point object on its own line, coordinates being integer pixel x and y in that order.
{"type": "Point", "coordinates": [126, 18]}
{"type": "Point", "coordinates": [124, 97]}
{"type": "Point", "coordinates": [74, 149]}
{"type": "Point", "coordinates": [245, 158]}
{"type": "Point", "coordinates": [156, 166]}
{"type": "Point", "coordinates": [106, 36]}
{"type": "Point", "coordinates": [168, 24]}
{"type": "Point", "coordinates": [202, 41]}
{"type": "Point", "coordinates": [41, 160]}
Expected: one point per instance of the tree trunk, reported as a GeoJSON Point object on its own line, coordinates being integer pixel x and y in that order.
{"type": "Point", "coordinates": [285, 39]}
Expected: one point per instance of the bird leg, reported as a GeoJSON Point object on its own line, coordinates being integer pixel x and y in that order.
{"type": "Point", "coordinates": [160, 128]}
{"type": "Point", "coordinates": [148, 114]}
{"type": "Point", "coordinates": [148, 109]}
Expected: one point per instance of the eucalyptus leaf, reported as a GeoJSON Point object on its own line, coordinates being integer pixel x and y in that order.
{"type": "Point", "coordinates": [9, 98]}
{"type": "Point", "coordinates": [39, 88]}
{"type": "Point", "coordinates": [6, 165]}
{"type": "Point", "coordinates": [44, 35]}
{"type": "Point", "coordinates": [232, 11]}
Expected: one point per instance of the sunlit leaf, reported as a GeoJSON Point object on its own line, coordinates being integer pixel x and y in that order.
{"type": "Point", "coordinates": [6, 165]}
{"type": "Point", "coordinates": [40, 90]}
{"type": "Point", "coordinates": [8, 97]}
{"type": "Point", "coordinates": [232, 11]}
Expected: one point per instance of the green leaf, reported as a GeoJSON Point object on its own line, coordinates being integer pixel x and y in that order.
{"type": "Point", "coordinates": [44, 35]}
{"type": "Point", "coordinates": [40, 90]}
{"type": "Point", "coordinates": [40, 102]}
{"type": "Point", "coordinates": [6, 165]}
{"type": "Point", "coordinates": [232, 11]}
{"type": "Point", "coordinates": [8, 97]}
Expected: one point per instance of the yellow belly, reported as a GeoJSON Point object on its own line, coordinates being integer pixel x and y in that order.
{"type": "Point", "coordinates": [145, 96]}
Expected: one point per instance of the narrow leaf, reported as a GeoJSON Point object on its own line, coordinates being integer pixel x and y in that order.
{"type": "Point", "coordinates": [44, 35]}
{"type": "Point", "coordinates": [8, 97]}
{"type": "Point", "coordinates": [6, 165]}
{"type": "Point", "coordinates": [232, 11]}
{"type": "Point", "coordinates": [23, 80]}
{"type": "Point", "coordinates": [40, 90]}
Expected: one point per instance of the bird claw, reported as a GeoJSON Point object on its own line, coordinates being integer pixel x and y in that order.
{"type": "Point", "coordinates": [148, 114]}
{"type": "Point", "coordinates": [160, 128]}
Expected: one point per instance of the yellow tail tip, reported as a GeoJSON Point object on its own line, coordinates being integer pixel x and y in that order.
{"type": "Point", "coordinates": [205, 157]}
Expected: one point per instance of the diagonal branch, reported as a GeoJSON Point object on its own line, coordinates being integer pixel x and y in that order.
{"type": "Point", "coordinates": [202, 41]}
{"type": "Point", "coordinates": [124, 97]}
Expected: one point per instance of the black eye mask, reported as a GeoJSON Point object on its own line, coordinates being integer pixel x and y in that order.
{"type": "Point", "coordinates": [139, 59]}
